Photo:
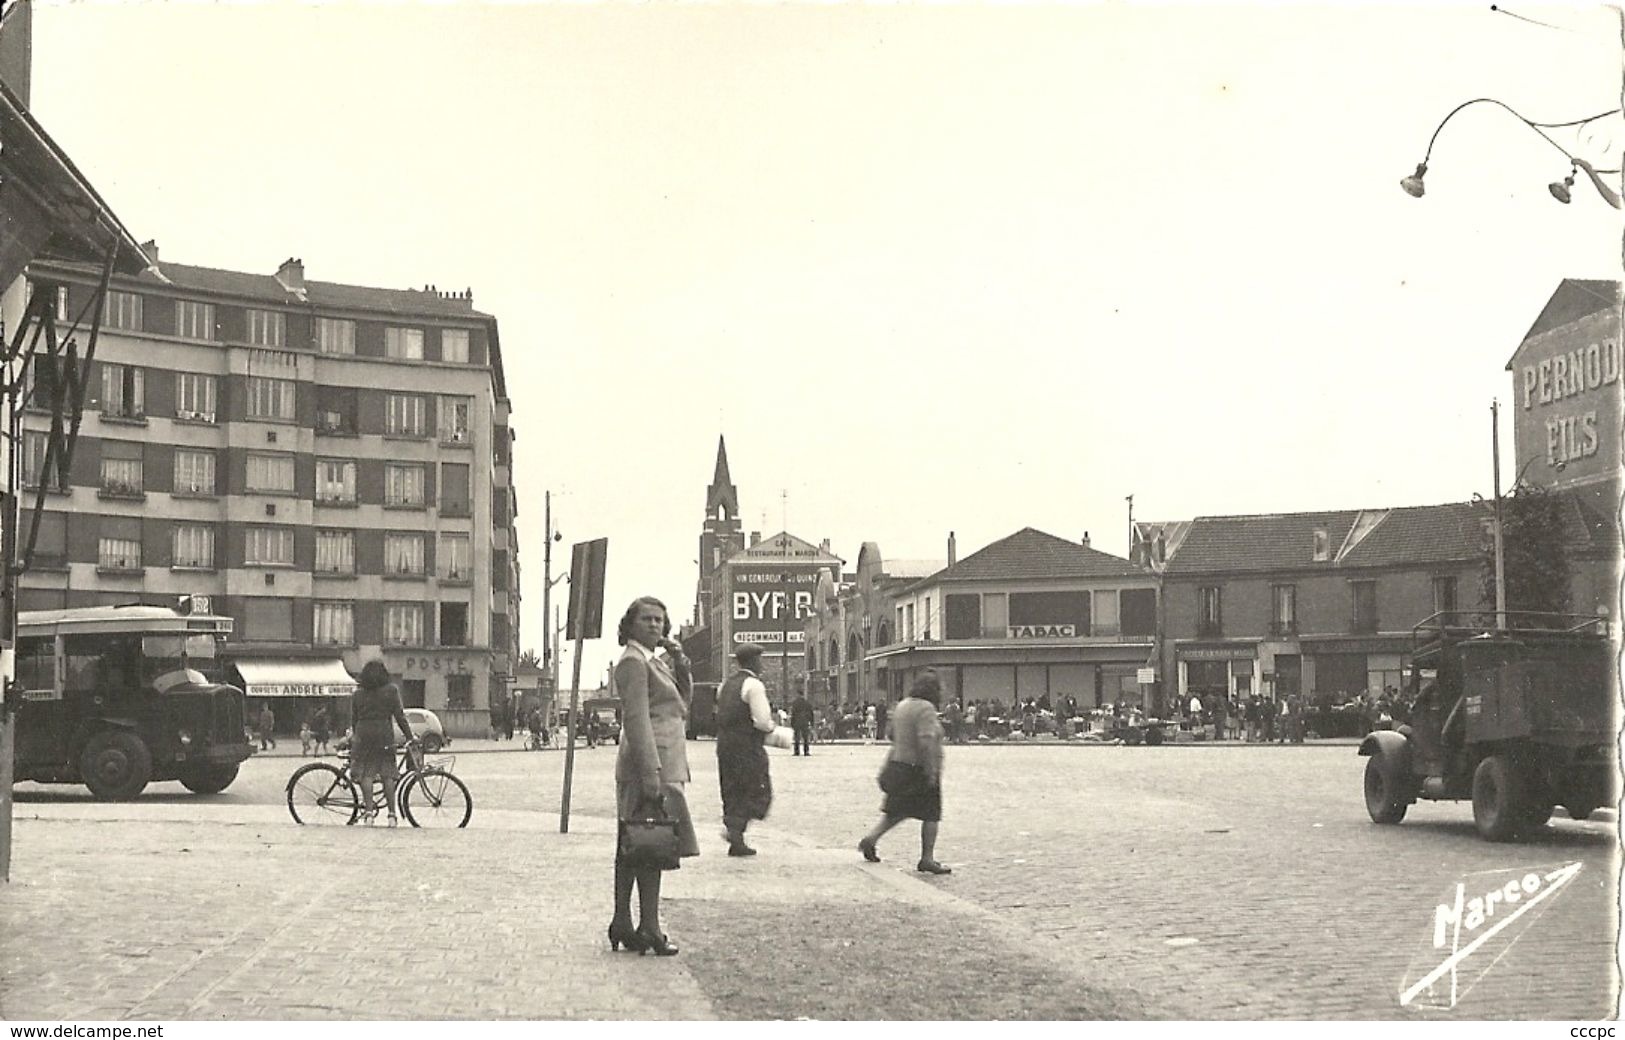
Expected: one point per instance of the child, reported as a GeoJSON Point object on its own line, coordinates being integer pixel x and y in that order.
{"type": "Point", "coordinates": [305, 740]}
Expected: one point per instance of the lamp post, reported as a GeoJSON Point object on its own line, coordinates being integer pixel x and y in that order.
{"type": "Point", "coordinates": [1415, 187]}
{"type": "Point", "coordinates": [1500, 552]}
{"type": "Point", "coordinates": [547, 576]}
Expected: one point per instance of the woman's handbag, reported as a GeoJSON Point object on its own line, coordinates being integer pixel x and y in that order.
{"type": "Point", "coordinates": [895, 776]}
{"type": "Point", "coordinates": [649, 841]}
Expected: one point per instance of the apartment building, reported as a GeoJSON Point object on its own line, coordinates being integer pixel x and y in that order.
{"type": "Point", "coordinates": [330, 464]}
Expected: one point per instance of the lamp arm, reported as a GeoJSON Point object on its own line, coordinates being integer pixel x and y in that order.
{"type": "Point", "coordinates": [1520, 117]}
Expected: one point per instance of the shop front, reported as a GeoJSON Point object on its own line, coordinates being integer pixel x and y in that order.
{"type": "Point", "coordinates": [296, 689]}
{"type": "Point", "coordinates": [1217, 669]}
{"type": "Point", "coordinates": [1091, 675]}
{"type": "Point", "coordinates": [453, 682]}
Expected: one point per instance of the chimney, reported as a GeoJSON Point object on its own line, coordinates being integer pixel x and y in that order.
{"type": "Point", "coordinates": [1086, 539]}
{"type": "Point", "coordinates": [150, 247]}
{"type": "Point", "coordinates": [952, 554]}
{"type": "Point", "coordinates": [824, 545]}
{"type": "Point", "coordinates": [755, 536]}
{"type": "Point", "coordinates": [292, 275]}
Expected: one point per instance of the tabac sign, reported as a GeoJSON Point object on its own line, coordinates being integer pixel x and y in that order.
{"type": "Point", "coordinates": [1042, 631]}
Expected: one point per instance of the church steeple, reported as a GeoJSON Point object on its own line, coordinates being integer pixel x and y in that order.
{"type": "Point", "coordinates": [722, 492]}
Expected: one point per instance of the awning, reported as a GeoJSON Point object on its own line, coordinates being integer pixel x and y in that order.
{"type": "Point", "coordinates": [274, 678]}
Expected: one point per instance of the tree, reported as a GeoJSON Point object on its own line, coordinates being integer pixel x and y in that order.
{"type": "Point", "coordinates": [1535, 551]}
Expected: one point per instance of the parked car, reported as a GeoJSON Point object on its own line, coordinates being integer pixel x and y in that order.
{"type": "Point", "coordinates": [426, 728]}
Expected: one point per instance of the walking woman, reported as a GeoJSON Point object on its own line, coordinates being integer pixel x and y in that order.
{"type": "Point", "coordinates": [743, 719]}
{"type": "Point", "coordinates": [912, 776]}
{"type": "Point", "coordinates": [376, 704]}
{"type": "Point", "coordinates": [651, 766]}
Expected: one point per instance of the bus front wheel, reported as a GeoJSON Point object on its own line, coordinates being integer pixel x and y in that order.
{"type": "Point", "coordinates": [209, 779]}
{"type": "Point", "coordinates": [115, 765]}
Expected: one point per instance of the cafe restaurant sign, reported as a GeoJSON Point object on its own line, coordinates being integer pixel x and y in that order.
{"type": "Point", "coordinates": [1043, 631]}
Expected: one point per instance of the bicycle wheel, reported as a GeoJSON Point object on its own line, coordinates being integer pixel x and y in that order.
{"type": "Point", "coordinates": [435, 798]}
{"type": "Point", "coordinates": [321, 794]}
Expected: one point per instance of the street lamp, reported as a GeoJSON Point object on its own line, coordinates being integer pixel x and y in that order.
{"type": "Point", "coordinates": [1414, 185]}
{"type": "Point", "coordinates": [547, 575]}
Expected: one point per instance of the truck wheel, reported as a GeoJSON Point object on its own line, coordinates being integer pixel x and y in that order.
{"type": "Point", "coordinates": [1500, 799]}
{"type": "Point", "coordinates": [115, 765]}
{"type": "Point", "coordinates": [1536, 815]}
{"type": "Point", "coordinates": [1580, 810]}
{"type": "Point", "coordinates": [209, 779]}
{"type": "Point", "coordinates": [431, 743]}
{"type": "Point", "coordinates": [1383, 802]}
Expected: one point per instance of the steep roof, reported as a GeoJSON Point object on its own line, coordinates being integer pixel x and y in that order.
{"type": "Point", "coordinates": [1574, 299]}
{"type": "Point", "coordinates": [722, 491]}
{"type": "Point", "coordinates": [1448, 533]}
{"type": "Point", "coordinates": [1257, 543]}
{"type": "Point", "coordinates": [1030, 553]}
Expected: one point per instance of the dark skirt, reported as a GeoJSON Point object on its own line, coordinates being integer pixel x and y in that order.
{"type": "Point", "coordinates": [747, 789]}
{"type": "Point", "coordinates": [372, 750]}
{"type": "Point", "coordinates": [915, 797]}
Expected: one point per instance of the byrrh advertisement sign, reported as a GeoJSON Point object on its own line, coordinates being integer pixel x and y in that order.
{"type": "Point", "coordinates": [1567, 381]}
{"type": "Point", "coordinates": [764, 602]}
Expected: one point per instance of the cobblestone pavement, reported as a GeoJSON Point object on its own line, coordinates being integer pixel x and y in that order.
{"type": "Point", "coordinates": [1187, 882]}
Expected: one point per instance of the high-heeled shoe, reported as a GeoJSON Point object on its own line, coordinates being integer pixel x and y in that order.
{"type": "Point", "coordinates": [628, 937]}
{"type": "Point", "coordinates": [658, 943]}
{"type": "Point", "coordinates": [867, 847]}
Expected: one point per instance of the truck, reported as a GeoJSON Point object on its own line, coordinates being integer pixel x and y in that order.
{"type": "Point", "coordinates": [1516, 711]}
{"type": "Point", "coordinates": [109, 697]}
{"type": "Point", "coordinates": [702, 710]}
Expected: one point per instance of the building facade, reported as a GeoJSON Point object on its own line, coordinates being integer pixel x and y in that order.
{"type": "Point", "coordinates": [331, 464]}
{"type": "Point", "coordinates": [1031, 615]}
{"type": "Point", "coordinates": [849, 619]}
{"type": "Point", "coordinates": [1316, 604]}
{"type": "Point", "coordinates": [1566, 422]}
{"type": "Point", "coordinates": [763, 594]}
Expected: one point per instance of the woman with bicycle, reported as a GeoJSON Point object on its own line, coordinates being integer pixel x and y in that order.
{"type": "Point", "coordinates": [376, 704]}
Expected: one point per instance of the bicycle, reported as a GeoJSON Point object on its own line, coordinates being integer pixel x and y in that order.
{"type": "Point", "coordinates": [428, 795]}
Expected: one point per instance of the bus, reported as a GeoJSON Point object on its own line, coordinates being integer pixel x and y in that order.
{"type": "Point", "coordinates": [109, 697]}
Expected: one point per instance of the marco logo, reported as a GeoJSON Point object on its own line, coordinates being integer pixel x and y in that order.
{"type": "Point", "coordinates": [1481, 909]}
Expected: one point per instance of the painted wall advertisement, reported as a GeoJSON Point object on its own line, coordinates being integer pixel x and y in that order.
{"type": "Point", "coordinates": [763, 602]}
{"type": "Point", "coordinates": [1568, 402]}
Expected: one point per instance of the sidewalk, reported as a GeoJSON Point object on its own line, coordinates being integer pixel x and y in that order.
{"type": "Point", "coordinates": [483, 745]}
{"type": "Point", "coordinates": [176, 910]}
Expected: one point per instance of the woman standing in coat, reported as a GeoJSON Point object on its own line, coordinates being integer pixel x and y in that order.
{"type": "Point", "coordinates": [651, 766]}
{"type": "Point", "coordinates": [743, 719]}
{"type": "Point", "coordinates": [915, 761]}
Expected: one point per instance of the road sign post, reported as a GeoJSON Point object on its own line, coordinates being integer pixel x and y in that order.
{"type": "Point", "coordinates": [584, 621]}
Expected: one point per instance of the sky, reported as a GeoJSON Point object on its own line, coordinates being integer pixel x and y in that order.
{"type": "Point", "coordinates": [928, 268]}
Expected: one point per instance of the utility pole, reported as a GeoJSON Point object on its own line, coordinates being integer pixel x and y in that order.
{"type": "Point", "coordinates": [547, 579]}
{"type": "Point", "coordinates": [1500, 548]}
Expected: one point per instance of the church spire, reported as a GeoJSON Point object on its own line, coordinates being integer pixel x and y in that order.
{"type": "Point", "coordinates": [722, 491]}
